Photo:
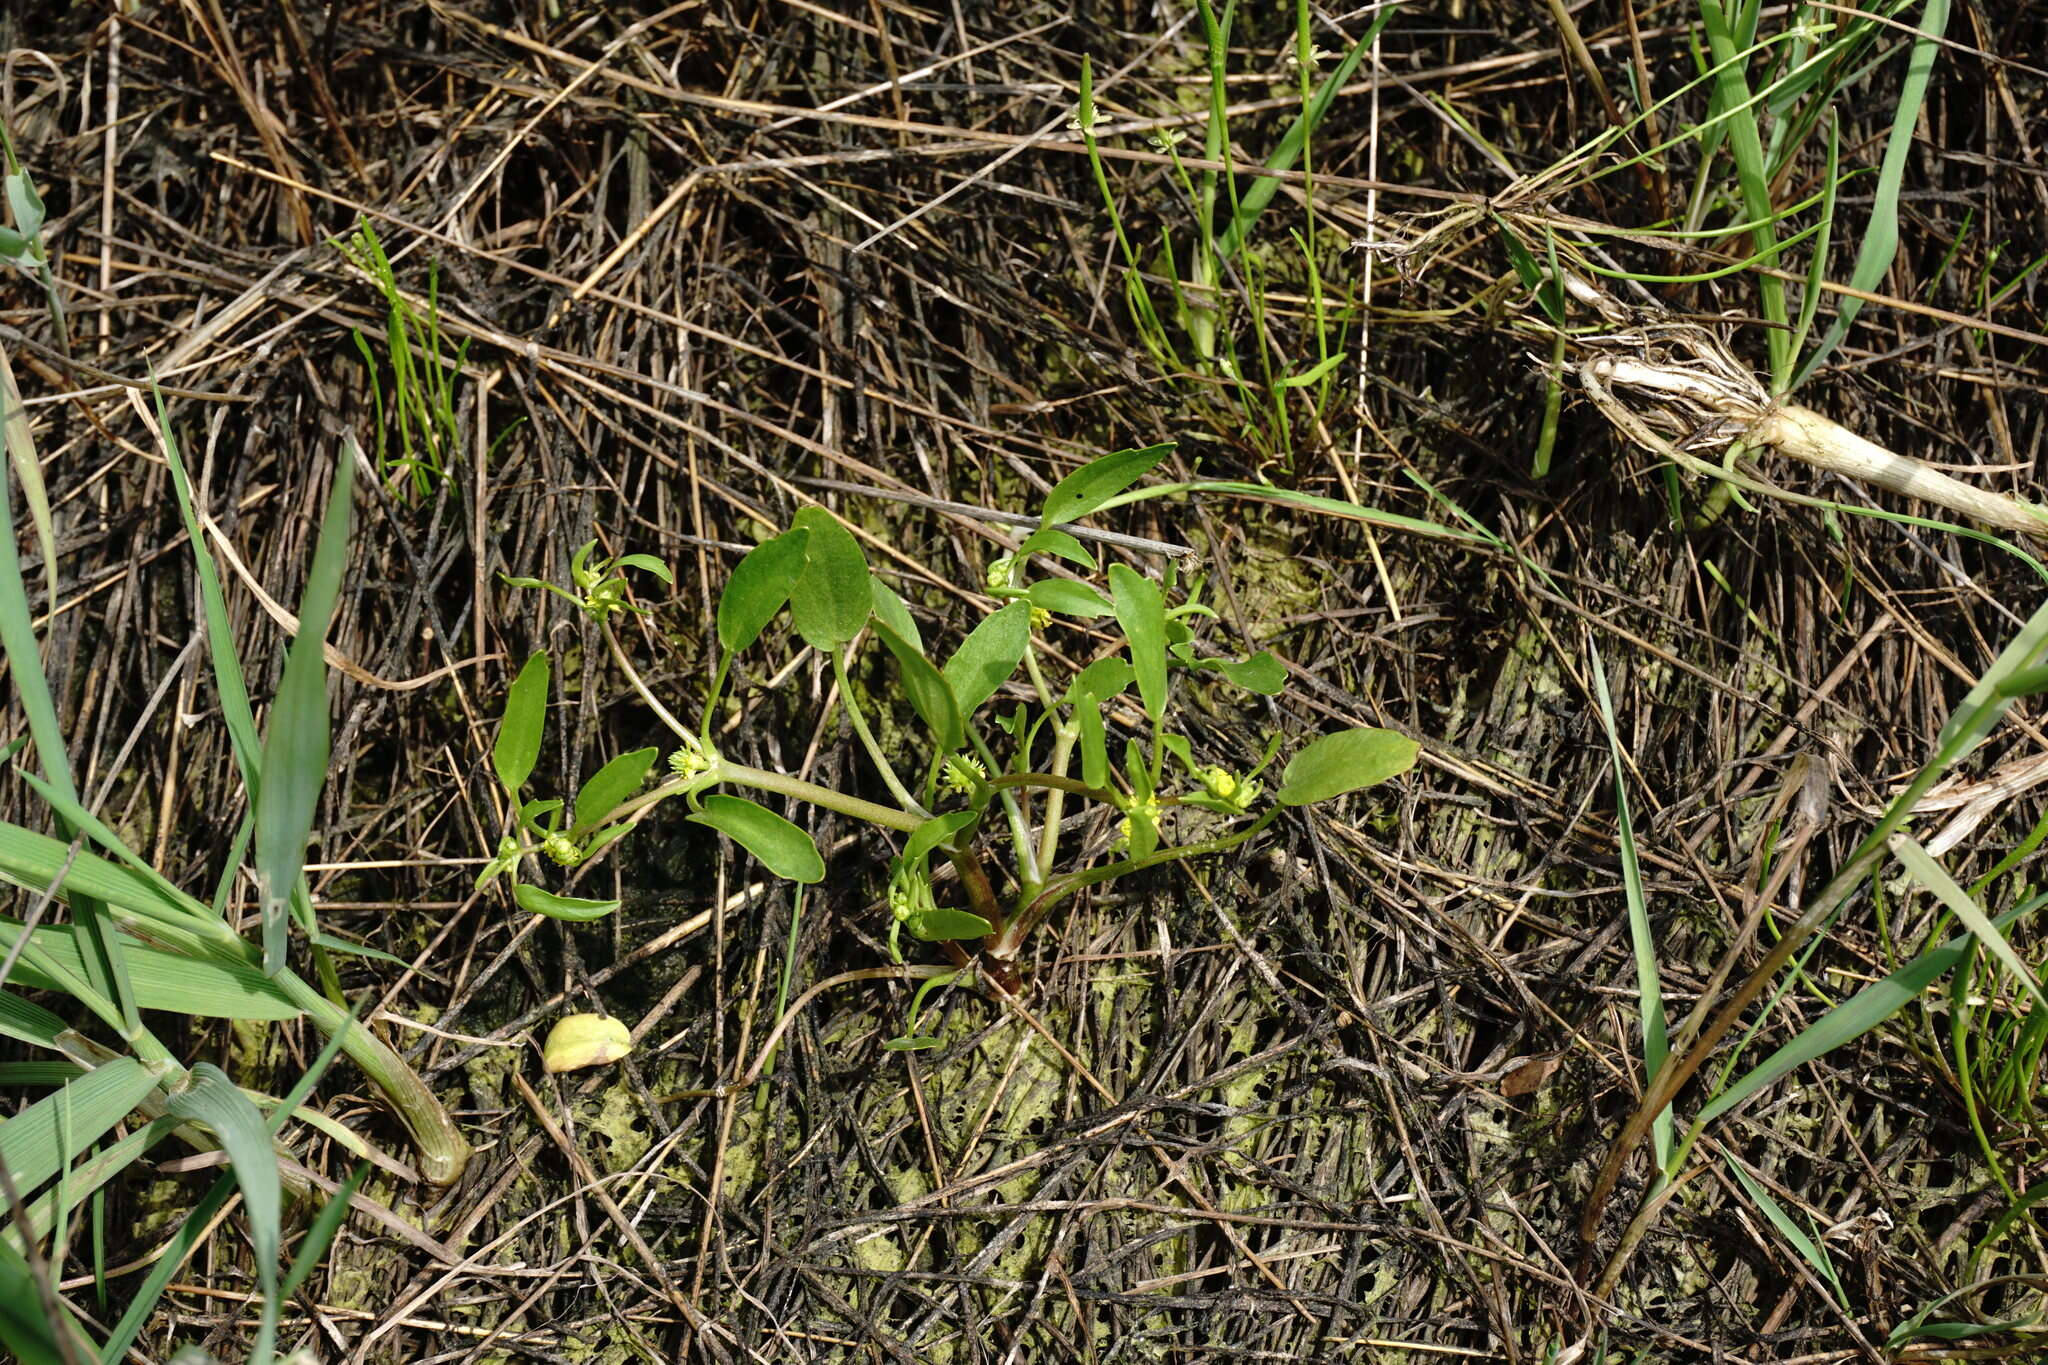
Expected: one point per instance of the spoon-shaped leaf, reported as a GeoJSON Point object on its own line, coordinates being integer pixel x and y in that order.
{"type": "Point", "coordinates": [1345, 762]}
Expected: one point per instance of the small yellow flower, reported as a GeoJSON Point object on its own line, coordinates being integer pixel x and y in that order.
{"type": "Point", "coordinates": [562, 849]}
{"type": "Point", "coordinates": [581, 1040]}
{"type": "Point", "coordinates": [962, 774]}
{"type": "Point", "coordinates": [1040, 618]}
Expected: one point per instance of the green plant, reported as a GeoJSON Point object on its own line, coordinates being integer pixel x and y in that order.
{"type": "Point", "coordinates": [1196, 306]}
{"type": "Point", "coordinates": [135, 941]}
{"type": "Point", "coordinates": [998, 765]}
{"type": "Point", "coordinates": [423, 369]}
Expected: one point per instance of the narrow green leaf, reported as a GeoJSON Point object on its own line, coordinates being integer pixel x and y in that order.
{"type": "Point", "coordinates": [947, 926]}
{"type": "Point", "coordinates": [1345, 762]}
{"type": "Point", "coordinates": [1642, 934]}
{"type": "Point", "coordinates": [989, 655]}
{"type": "Point", "coordinates": [1095, 483]}
{"type": "Point", "coordinates": [27, 1022]}
{"type": "Point", "coordinates": [228, 678]}
{"type": "Point", "coordinates": [1141, 611]}
{"type": "Point", "coordinates": [28, 472]}
{"type": "Point", "coordinates": [1881, 236]}
{"type": "Point", "coordinates": [519, 732]}
{"type": "Point", "coordinates": [1261, 191]}
{"type": "Point", "coordinates": [295, 742]}
{"type": "Point", "coordinates": [208, 1097]}
{"type": "Point", "coordinates": [831, 600]}
{"type": "Point", "coordinates": [1932, 875]}
{"type": "Point", "coordinates": [321, 1234]}
{"type": "Point", "coordinates": [1094, 742]}
{"type": "Point", "coordinates": [1813, 1253]}
{"type": "Point", "coordinates": [1314, 374]}
{"type": "Point", "coordinates": [929, 693]}
{"type": "Point", "coordinates": [932, 833]}
{"type": "Point", "coordinates": [611, 785]}
{"type": "Point", "coordinates": [911, 1043]}
{"type": "Point", "coordinates": [1856, 1016]}
{"type": "Point", "coordinates": [24, 1331]}
{"type": "Point", "coordinates": [198, 987]}
{"type": "Point", "coordinates": [31, 1143]}
{"type": "Point", "coordinates": [781, 847]}
{"type": "Point", "coordinates": [25, 203]}
{"type": "Point", "coordinates": [1070, 598]}
{"type": "Point", "coordinates": [574, 908]}
{"type": "Point", "coordinates": [759, 585]}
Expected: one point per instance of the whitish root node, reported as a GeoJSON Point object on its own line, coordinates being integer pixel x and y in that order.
{"type": "Point", "coordinates": [1673, 387]}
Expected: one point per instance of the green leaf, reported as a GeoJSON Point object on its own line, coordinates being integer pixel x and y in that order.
{"type": "Point", "coordinates": [1935, 878]}
{"type": "Point", "coordinates": [947, 926]}
{"type": "Point", "coordinates": [1314, 374]}
{"type": "Point", "coordinates": [1096, 482]}
{"type": "Point", "coordinates": [519, 733]}
{"type": "Point", "coordinates": [228, 679]}
{"type": "Point", "coordinates": [1880, 244]}
{"type": "Point", "coordinates": [893, 612]}
{"type": "Point", "coordinates": [321, 1234]}
{"type": "Point", "coordinates": [295, 742]}
{"type": "Point", "coordinates": [611, 785]}
{"type": "Point", "coordinates": [928, 690]}
{"type": "Point", "coordinates": [1051, 540]}
{"type": "Point", "coordinates": [1094, 741]}
{"type": "Point", "coordinates": [1070, 598]}
{"type": "Point", "coordinates": [1141, 611]}
{"type": "Point", "coordinates": [831, 600]}
{"type": "Point", "coordinates": [759, 585]}
{"type": "Point", "coordinates": [936, 831]}
{"type": "Point", "coordinates": [781, 847]}
{"type": "Point", "coordinates": [573, 908]}
{"type": "Point", "coordinates": [25, 203]}
{"type": "Point", "coordinates": [36, 1142]}
{"type": "Point", "coordinates": [1262, 673]}
{"type": "Point", "coordinates": [27, 1022]}
{"type": "Point", "coordinates": [918, 1043]}
{"type": "Point", "coordinates": [1345, 762]}
{"type": "Point", "coordinates": [989, 655]}
{"type": "Point", "coordinates": [646, 564]}
{"type": "Point", "coordinates": [210, 1098]}
{"type": "Point", "coordinates": [198, 987]}
{"type": "Point", "coordinates": [1857, 1015]}
{"type": "Point", "coordinates": [1104, 678]}
{"type": "Point", "coordinates": [24, 1330]}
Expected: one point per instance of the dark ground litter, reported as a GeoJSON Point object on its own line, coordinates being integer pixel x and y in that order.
{"type": "Point", "coordinates": [1339, 1099]}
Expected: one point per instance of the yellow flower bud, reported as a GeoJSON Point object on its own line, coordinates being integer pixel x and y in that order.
{"type": "Point", "coordinates": [581, 1040]}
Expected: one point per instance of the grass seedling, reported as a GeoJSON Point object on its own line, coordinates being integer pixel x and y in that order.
{"type": "Point", "coordinates": [424, 371]}
{"type": "Point", "coordinates": [1222, 304]}
{"type": "Point", "coordinates": [1013, 741]}
{"type": "Point", "coordinates": [135, 942]}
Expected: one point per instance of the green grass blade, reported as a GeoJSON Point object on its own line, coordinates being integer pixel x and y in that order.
{"type": "Point", "coordinates": [1932, 875]}
{"type": "Point", "coordinates": [1881, 238]}
{"type": "Point", "coordinates": [1261, 192]}
{"type": "Point", "coordinates": [32, 689]}
{"type": "Point", "coordinates": [295, 744]}
{"type": "Point", "coordinates": [228, 679]}
{"type": "Point", "coordinates": [1814, 1253]}
{"type": "Point", "coordinates": [1649, 984]}
{"type": "Point", "coordinates": [28, 471]}
{"type": "Point", "coordinates": [1745, 143]}
{"type": "Point", "coordinates": [96, 1101]}
{"type": "Point", "coordinates": [210, 1098]}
